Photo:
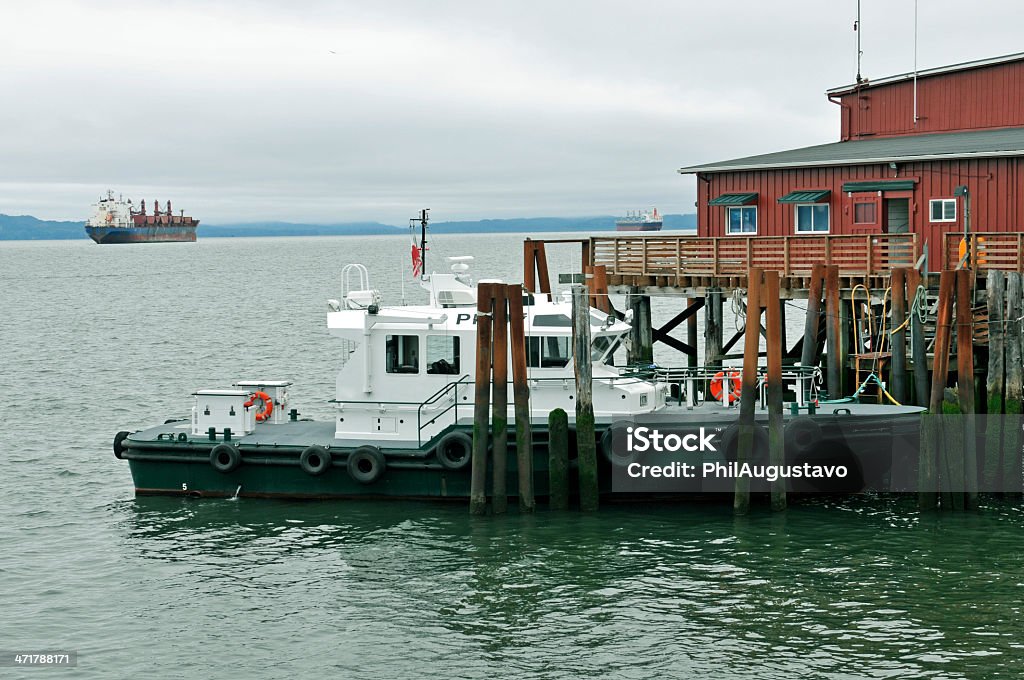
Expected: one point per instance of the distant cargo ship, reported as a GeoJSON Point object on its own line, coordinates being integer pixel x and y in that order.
{"type": "Point", "coordinates": [639, 221]}
{"type": "Point", "coordinates": [117, 221]}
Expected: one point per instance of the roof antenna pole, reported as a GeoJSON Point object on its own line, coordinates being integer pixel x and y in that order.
{"type": "Point", "coordinates": [856, 29]}
{"type": "Point", "coordinates": [423, 236]}
{"type": "Point", "coordinates": [915, 63]}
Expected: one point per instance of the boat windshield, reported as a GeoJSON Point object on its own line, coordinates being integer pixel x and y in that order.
{"type": "Point", "coordinates": [603, 345]}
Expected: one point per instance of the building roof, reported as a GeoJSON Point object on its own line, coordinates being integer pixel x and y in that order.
{"type": "Point", "coordinates": [930, 147]}
{"type": "Point", "coordinates": [924, 73]}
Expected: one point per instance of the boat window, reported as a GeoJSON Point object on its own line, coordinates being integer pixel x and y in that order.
{"type": "Point", "coordinates": [443, 354]}
{"type": "Point", "coordinates": [548, 352]}
{"type": "Point", "coordinates": [402, 354]}
{"type": "Point", "coordinates": [600, 346]}
{"type": "Point", "coordinates": [552, 320]}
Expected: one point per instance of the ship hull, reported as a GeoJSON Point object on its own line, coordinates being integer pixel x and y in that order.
{"type": "Point", "coordinates": [638, 227]}
{"type": "Point", "coordinates": [145, 234]}
{"type": "Point", "coordinates": [167, 460]}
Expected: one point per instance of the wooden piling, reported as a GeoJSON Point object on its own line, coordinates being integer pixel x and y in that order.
{"type": "Point", "coordinates": [499, 402]}
{"type": "Point", "coordinates": [521, 397]}
{"type": "Point", "coordinates": [713, 329]}
{"type": "Point", "coordinates": [774, 345]}
{"type": "Point", "coordinates": [995, 292]}
{"type": "Point", "coordinates": [586, 443]}
{"type": "Point", "coordinates": [641, 334]}
{"type": "Point", "coordinates": [1014, 384]}
{"type": "Point", "coordinates": [541, 258]}
{"type": "Point", "coordinates": [691, 333]}
{"type": "Point", "coordinates": [530, 265]}
{"type": "Point", "coordinates": [940, 371]}
{"type": "Point", "coordinates": [918, 349]}
{"type": "Point", "coordinates": [604, 303]}
{"type": "Point", "coordinates": [833, 331]}
{"type": "Point", "coordinates": [748, 390]}
{"type": "Point", "coordinates": [965, 385]}
{"type": "Point", "coordinates": [898, 365]}
{"type": "Point", "coordinates": [810, 353]}
{"type": "Point", "coordinates": [481, 402]}
{"type": "Point", "coordinates": [558, 460]}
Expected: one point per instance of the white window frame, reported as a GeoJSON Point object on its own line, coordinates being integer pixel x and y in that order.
{"type": "Point", "coordinates": [943, 201]}
{"type": "Point", "coordinates": [812, 230]}
{"type": "Point", "coordinates": [728, 220]}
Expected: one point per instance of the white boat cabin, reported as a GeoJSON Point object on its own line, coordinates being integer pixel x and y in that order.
{"type": "Point", "coordinates": [408, 374]}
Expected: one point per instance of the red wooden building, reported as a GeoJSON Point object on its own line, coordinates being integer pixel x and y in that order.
{"type": "Point", "coordinates": [915, 154]}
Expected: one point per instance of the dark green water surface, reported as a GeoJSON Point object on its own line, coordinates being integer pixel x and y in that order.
{"type": "Point", "coordinates": [95, 339]}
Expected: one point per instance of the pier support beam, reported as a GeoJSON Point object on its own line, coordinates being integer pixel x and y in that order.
{"type": "Point", "coordinates": [965, 384]}
{"type": "Point", "coordinates": [1014, 384]}
{"type": "Point", "coordinates": [811, 350]}
{"type": "Point", "coordinates": [833, 333]}
{"type": "Point", "coordinates": [481, 402]}
{"type": "Point", "coordinates": [918, 351]}
{"type": "Point", "coordinates": [713, 328]}
{"type": "Point", "coordinates": [521, 397]}
{"type": "Point", "coordinates": [691, 330]}
{"type": "Point", "coordinates": [898, 366]}
{"type": "Point", "coordinates": [499, 403]}
{"type": "Point", "coordinates": [641, 335]}
{"type": "Point", "coordinates": [773, 346]}
{"type": "Point", "coordinates": [586, 442]}
{"type": "Point", "coordinates": [995, 290]}
{"type": "Point", "coordinates": [748, 391]}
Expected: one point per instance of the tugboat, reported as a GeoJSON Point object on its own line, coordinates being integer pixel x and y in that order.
{"type": "Point", "coordinates": [118, 221]}
{"type": "Point", "coordinates": [404, 404]}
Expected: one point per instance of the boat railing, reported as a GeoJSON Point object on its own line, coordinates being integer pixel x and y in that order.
{"type": "Point", "coordinates": [453, 388]}
{"type": "Point", "coordinates": [688, 381]}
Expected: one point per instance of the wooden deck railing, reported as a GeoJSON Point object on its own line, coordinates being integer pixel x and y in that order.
{"type": "Point", "coordinates": [679, 256]}
{"type": "Point", "coordinates": [1004, 251]}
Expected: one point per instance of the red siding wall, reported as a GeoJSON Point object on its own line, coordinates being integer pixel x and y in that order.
{"type": "Point", "coordinates": [996, 189]}
{"type": "Point", "coordinates": [986, 97]}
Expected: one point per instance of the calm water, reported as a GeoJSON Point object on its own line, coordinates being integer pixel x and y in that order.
{"type": "Point", "coordinates": [98, 339]}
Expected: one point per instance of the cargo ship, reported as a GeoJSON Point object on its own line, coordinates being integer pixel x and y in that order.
{"type": "Point", "coordinates": [639, 221]}
{"type": "Point", "coordinates": [118, 221]}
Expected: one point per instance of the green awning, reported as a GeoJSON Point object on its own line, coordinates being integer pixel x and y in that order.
{"type": "Point", "coordinates": [880, 185]}
{"type": "Point", "coordinates": [734, 199]}
{"type": "Point", "coordinates": [806, 196]}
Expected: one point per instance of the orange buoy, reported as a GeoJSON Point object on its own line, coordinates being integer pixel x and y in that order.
{"type": "Point", "coordinates": [267, 407]}
{"type": "Point", "coordinates": [720, 380]}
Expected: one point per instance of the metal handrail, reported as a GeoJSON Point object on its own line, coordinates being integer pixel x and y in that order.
{"type": "Point", "coordinates": [452, 386]}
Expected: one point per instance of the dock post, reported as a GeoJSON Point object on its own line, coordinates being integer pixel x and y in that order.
{"type": "Point", "coordinates": [774, 346]}
{"type": "Point", "coordinates": [833, 330]}
{"type": "Point", "coordinates": [1014, 384]}
{"type": "Point", "coordinates": [811, 352]}
{"type": "Point", "coordinates": [918, 349]}
{"type": "Point", "coordinates": [558, 460]}
{"type": "Point", "coordinates": [499, 403]}
{"type": "Point", "coordinates": [691, 334]}
{"type": "Point", "coordinates": [529, 265]}
{"type": "Point", "coordinates": [481, 402]}
{"type": "Point", "coordinates": [933, 460]}
{"type": "Point", "coordinates": [713, 328]}
{"type": "Point", "coordinates": [604, 303]}
{"type": "Point", "coordinates": [641, 335]}
{"type": "Point", "coordinates": [748, 390]}
{"type": "Point", "coordinates": [521, 397]}
{"type": "Point", "coordinates": [586, 443]}
{"type": "Point", "coordinates": [898, 365]}
{"type": "Point", "coordinates": [965, 383]}
{"type": "Point", "coordinates": [995, 292]}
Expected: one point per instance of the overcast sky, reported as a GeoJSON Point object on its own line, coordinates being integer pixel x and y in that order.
{"type": "Point", "coordinates": [341, 111]}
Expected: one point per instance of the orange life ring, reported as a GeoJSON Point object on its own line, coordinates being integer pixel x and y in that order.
{"type": "Point", "coordinates": [735, 383]}
{"type": "Point", "coordinates": [268, 405]}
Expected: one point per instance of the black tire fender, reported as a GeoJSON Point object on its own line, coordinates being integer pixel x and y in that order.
{"type": "Point", "coordinates": [802, 433]}
{"type": "Point", "coordinates": [119, 446]}
{"type": "Point", "coordinates": [315, 460]}
{"type": "Point", "coordinates": [366, 464]}
{"type": "Point", "coordinates": [454, 451]}
{"type": "Point", "coordinates": [225, 458]}
{"type": "Point", "coordinates": [730, 443]}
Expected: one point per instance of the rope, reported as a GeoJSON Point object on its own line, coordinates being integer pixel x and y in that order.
{"type": "Point", "coordinates": [878, 382]}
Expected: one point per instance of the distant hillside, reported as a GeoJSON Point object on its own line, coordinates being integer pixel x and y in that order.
{"type": "Point", "coordinates": [25, 227]}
